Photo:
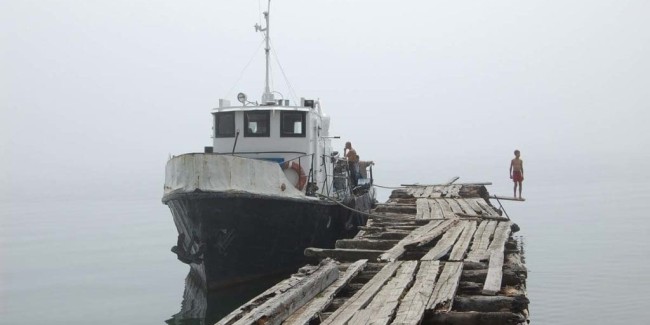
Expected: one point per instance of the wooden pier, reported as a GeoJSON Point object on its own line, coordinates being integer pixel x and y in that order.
{"type": "Point", "coordinates": [438, 254]}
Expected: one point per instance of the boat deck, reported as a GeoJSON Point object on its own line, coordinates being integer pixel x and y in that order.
{"type": "Point", "coordinates": [439, 254]}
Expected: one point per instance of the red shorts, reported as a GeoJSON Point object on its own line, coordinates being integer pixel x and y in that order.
{"type": "Point", "coordinates": [517, 176]}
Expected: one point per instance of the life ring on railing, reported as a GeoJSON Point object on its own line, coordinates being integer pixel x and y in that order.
{"type": "Point", "coordinates": [302, 177]}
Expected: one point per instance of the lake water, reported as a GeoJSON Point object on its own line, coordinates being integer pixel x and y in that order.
{"type": "Point", "coordinates": [100, 262]}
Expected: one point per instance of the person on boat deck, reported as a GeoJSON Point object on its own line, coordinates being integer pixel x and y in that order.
{"type": "Point", "coordinates": [517, 173]}
{"type": "Point", "coordinates": [353, 162]}
{"type": "Point", "coordinates": [363, 165]}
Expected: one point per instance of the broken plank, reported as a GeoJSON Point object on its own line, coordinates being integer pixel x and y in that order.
{"type": "Point", "coordinates": [276, 304]}
{"type": "Point", "coordinates": [455, 207]}
{"type": "Point", "coordinates": [495, 273]}
{"type": "Point", "coordinates": [487, 208]}
{"type": "Point", "coordinates": [501, 235]}
{"type": "Point", "coordinates": [423, 210]}
{"type": "Point", "coordinates": [447, 212]}
{"type": "Point", "coordinates": [458, 253]}
{"type": "Point", "coordinates": [453, 191]}
{"type": "Point", "coordinates": [411, 309]}
{"type": "Point", "coordinates": [419, 236]}
{"type": "Point", "coordinates": [495, 269]}
{"type": "Point", "coordinates": [382, 307]}
{"type": "Point", "coordinates": [362, 298]}
{"type": "Point", "coordinates": [343, 255]}
{"type": "Point", "coordinates": [465, 206]}
{"type": "Point", "coordinates": [436, 209]}
{"type": "Point", "coordinates": [473, 203]}
{"type": "Point", "coordinates": [481, 242]}
{"type": "Point", "coordinates": [428, 191]}
{"type": "Point", "coordinates": [444, 245]}
{"type": "Point", "coordinates": [312, 309]}
{"type": "Point", "coordinates": [443, 294]}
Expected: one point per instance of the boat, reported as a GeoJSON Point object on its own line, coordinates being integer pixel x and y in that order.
{"type": "Point", "coordinates": [270, 186]}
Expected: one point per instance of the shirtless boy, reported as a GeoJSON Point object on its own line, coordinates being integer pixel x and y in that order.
{"type": "Point", "coordinates": [517, 173]}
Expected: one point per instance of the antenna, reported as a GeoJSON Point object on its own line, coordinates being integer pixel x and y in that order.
{"type": "Point", "coordinates": [267, 96]}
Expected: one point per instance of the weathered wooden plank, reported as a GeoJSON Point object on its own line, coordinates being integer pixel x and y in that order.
{"type": "Point", "coordinates": [495, 273]}
{"type": "Point", "coordinates": [446, 209]}
{"type": "Point", "coordinates": [501, 235]}
{"type": "Point", "coordinates": [411, 309]}
{"type": "Point", "coordinates": [343, 255]}
{"type": "Point", "coordinates": [488, 209]}
{"type": "Point", "coordinates": [479, 250]}
{"type": "Point", "coordinates": [382, 307]}
{"type": "Point", "coordinates": [473, 202]}
{"type": "Point", "coordinates": [453, 191]}
{"type": "Point", "coordinates": [481, 217]}
{"type": "Point", "coordinates": [366, 244]}
{"type": "Point", "coordinates": [455, 207]}
{"type": "Point", "coordinates": [418, 191]}
{"type": "Point", "coordinates": [465, 206]}
{"type": "Point", "coordinates": [436, 209]}
{"type": "Point", "coordinates": [445, 290]}
{"type": "Point", "coordinates": [431, 235]}
{"type": "Point", "coordinates": [276, 304]}
{"type": "Point", "coordinates": [458, 253]}
{"type": "Point", "coordinates": [418, 237]}
{"type": "Point", "coordinates": [312, 309]}
{"type": "Point", "coordinates": [398, 250]}
{"type": "Point", "coordinates": [510, 198]}
{"type": "Point", "coordinates": [423, 210]}
{"type": "Point", "coordinates": [428, 191]}
{"type": "Point", "coordinates": [362, 298]}
{"type": "Point", "coordinates": [444, 245]}
{"type": "Point", "coordinates": [496, 249]}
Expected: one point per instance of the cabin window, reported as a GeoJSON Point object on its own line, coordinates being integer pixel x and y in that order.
{"type": "Point", "coordinates": [256, 124]}
{"type": "Point", "coordinates": [292, 124]}
{"type": "Point", "coordinates": [224, 124]}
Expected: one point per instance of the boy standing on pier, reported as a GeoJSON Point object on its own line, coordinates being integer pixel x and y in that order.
{"type": "Point", "coordinates": [517, 173]}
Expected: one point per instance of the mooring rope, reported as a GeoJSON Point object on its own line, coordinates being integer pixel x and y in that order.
{"type": "Point", "coordinates": [349, 208]}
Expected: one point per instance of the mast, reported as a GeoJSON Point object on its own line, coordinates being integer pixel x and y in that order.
{"type": "Point", "coordinates": [267, 96]}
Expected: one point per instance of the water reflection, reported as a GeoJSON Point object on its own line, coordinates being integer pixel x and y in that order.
{"type": "Point", "coordinates": [200, 307]}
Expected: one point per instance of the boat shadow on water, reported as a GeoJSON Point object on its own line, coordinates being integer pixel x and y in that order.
{"type": "Point", "coordinates": [200, 307]}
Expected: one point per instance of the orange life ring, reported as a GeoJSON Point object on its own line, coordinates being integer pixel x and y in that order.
{"type": "Point", "coordinates": [302, 178]}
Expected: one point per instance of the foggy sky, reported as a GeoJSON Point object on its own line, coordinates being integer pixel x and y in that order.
{"type": "Point", "coordinates": [95, 95]}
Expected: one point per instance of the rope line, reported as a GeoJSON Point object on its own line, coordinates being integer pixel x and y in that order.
{"type": "Point", "coordinates": [347, 207]}
{"type": "Point", "coordinates": [244, 69]}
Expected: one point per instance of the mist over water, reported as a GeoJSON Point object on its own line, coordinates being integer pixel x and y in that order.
{"type": "Point", "coordinates": [95, 261]}
{"type": "Point", "coordinates": [95, 96]}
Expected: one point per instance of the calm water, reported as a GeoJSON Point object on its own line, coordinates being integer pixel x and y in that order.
{"type": "Point", "coordinates": [101, 262]}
